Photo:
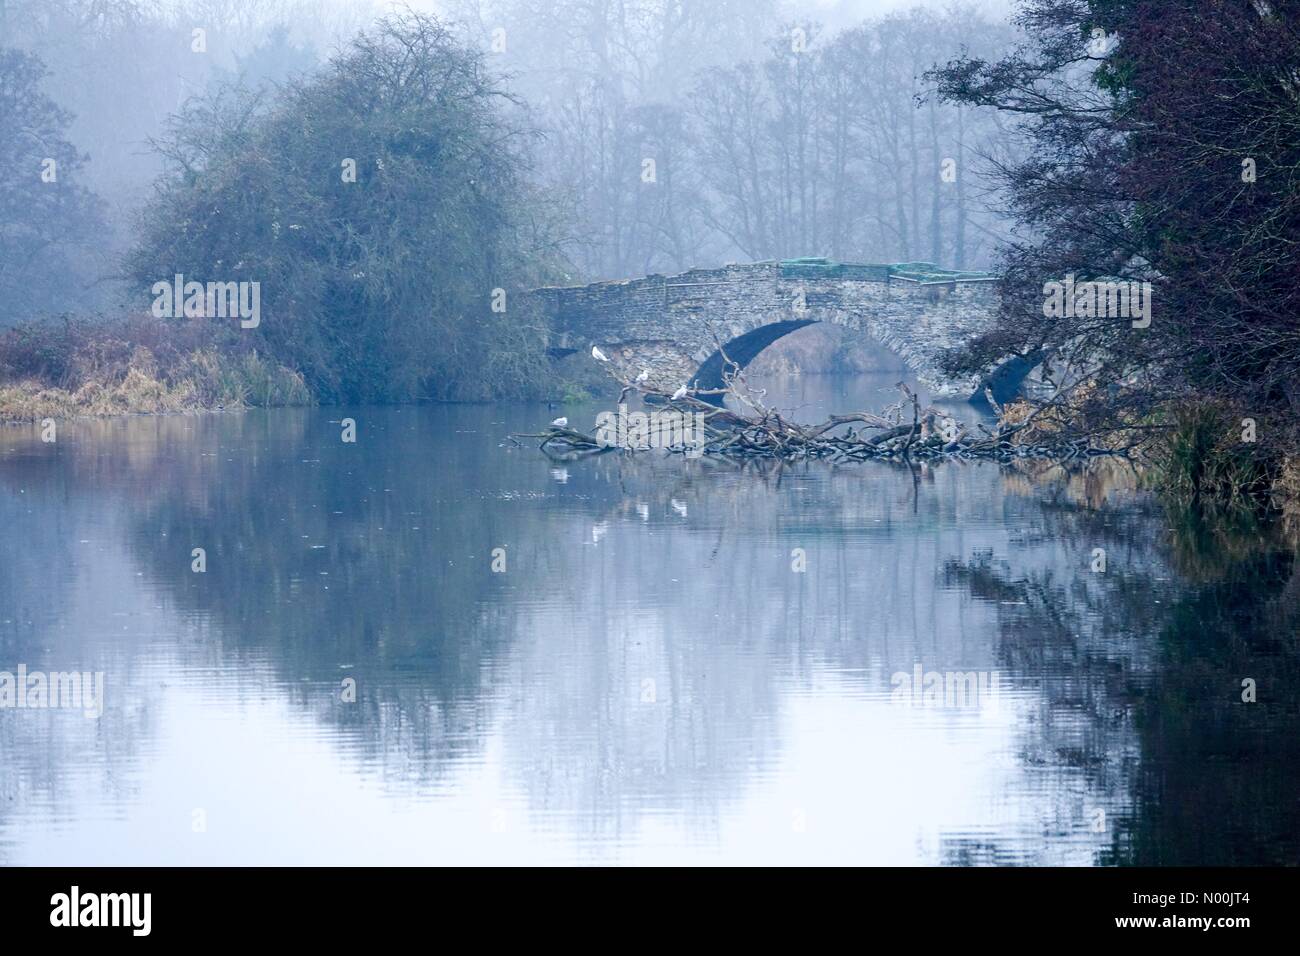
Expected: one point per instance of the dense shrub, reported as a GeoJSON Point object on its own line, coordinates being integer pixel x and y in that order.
{"type": "Point", "coordinates": [380, 288]}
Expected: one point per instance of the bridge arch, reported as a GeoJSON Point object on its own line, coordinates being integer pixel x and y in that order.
{"type": "Point", "coordinates": [670, 326]}
{"type": "Point", "coordinates": [1004, 383]}
{"type": "Point", "coordinates": [745, 347]}
{"type": "Point", "coordinates": [1007, 381]}
{"type": "Point", "coordinates": [741, 350]}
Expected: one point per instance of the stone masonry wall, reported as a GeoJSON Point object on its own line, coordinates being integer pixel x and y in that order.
{"type": "Point", "coordinates": [673, 324]}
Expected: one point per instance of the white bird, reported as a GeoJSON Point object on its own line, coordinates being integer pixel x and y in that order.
{"type": "Point", "coordinates": [645, 374]}
{"type": "Point", "coordinates": [643, 510]}
{"type": "Point", "coordinates": [680, 393]}
{"type": "Point", "coordinates": [560, 422]}
{"type": "Point", "coordinates": [560, 474]}
{"type": "Point", "coordinates": [598, 355]}
{"type": "Point", "coordinates": [598, 531]}
{"type": "Point", "coordinates": [678, 506]}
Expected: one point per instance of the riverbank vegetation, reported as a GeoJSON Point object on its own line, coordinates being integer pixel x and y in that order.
{"type": "Point", "coordinates": [1166, 142]}
{"type": "Point", "coordinates": [143, 365]}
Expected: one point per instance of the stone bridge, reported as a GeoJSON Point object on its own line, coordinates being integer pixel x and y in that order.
{"type": "Point", "coordinates": [677, 326]}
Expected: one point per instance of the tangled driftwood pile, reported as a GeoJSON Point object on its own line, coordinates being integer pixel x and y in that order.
{"type": "Point", "coordinates": [904, 432]}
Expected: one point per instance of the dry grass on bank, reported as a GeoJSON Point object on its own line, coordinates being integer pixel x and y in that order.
{"type": "Point", "coordinates": [1195, 453]}
{"type": "Point", "coordinates": [137, 365]}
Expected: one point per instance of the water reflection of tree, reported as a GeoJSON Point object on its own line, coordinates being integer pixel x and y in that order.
{"type": "Point", "coordinates": [405, 604]}
{"type": "Point", "coordinates": [679, 573]}
{"type": "Point", "coordinates": [445, 652]}
{"type": "Point", "coordinates": [369, 561]}
{"type": "Point", "coordinates": [1157, 646]}
{"type": "Point", "coordinates": [1221, 776]}
{"type": "Point", "coordinates": [874, 605]}
{"type": "Point", "coordinates": [53, 589]}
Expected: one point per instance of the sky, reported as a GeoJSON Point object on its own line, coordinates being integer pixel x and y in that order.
{"type": "Point", "coordinates": [830, 11]}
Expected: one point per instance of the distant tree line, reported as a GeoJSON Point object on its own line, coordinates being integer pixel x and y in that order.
{"type": "Point", "coordinates": [116, 69]}
{"type": "Point", "coordinates": [691, 133]}
{"type": "Point", "coordinates": [48, 218]}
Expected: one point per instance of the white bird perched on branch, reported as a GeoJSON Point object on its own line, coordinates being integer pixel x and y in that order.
{"type": "Point", "coordinates": [680, 393]}
{"type": "Point", "coordinates": [560, 422]}
{"type": "Point", "coordinates": [645, 374]}
{"type": "Point", "coordinates": [598, 355]}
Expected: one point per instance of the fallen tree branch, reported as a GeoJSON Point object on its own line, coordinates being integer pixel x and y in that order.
{"type": "Point", "coordinates": [762, 432]}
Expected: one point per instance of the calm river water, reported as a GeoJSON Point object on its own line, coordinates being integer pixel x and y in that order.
{"type": "Point", "coordinates": [679, 662]}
